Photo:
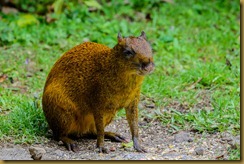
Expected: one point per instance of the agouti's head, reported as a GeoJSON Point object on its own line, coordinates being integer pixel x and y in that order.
{"type": "Point", "coordinates": [137, 53]}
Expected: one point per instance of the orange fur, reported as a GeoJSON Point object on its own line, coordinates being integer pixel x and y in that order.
{"type": "Point", "coordinates": [91, 82]}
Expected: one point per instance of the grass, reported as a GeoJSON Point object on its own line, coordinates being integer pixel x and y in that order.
{"type": "Point", "coordinates": [197, 56]}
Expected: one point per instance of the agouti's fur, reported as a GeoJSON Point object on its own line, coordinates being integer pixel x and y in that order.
{"type": "Point", "coordinates": [90, 83]}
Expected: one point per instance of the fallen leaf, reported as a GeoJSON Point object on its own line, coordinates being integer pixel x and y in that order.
{"type": "Point", "coordinates": [220, 156]}
{"type": "Point", "coordinates": [27, 19]}
{"type": "Point", "coordinates": [93, 4]}
{"type": "Point", "coordinates": [127, 145]}
{"type": "Point", "coordinates": [3, 78]}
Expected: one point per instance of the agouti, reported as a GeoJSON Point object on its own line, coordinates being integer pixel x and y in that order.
{"type": "Point", "coordinates": [90, 83]}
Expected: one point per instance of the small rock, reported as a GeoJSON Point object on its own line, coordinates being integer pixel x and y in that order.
{"type": "Point", "coordinates": [199, 150]}
{"type": "Point", "coordinates": [60, 143]}
{"type": "Point", "coordinates": [182, 137]}
{"type": "Point", "coordinates": [112, 149]}
{"type": "Point", "coordinates": [36, 152]}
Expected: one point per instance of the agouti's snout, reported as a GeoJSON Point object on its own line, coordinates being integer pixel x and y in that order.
{"type": "Point", "coordinates": [147, 68]}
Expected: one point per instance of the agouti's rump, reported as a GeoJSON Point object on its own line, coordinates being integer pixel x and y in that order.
{"type": "Point", "coordinates": [90, 83]}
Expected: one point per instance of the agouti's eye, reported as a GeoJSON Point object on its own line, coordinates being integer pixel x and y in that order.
{"type": "Point", "coordinates": [129, 53]}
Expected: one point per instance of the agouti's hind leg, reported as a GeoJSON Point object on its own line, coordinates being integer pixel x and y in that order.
{"type": "Point", "coordinates": [115, 137]}
{"type": "Point", "coordinates": [70, 144]}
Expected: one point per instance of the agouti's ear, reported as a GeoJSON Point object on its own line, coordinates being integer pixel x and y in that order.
{"type": "Point", "coordinates": [119, 37]}
{"type": "Point", "coordinates": [143, 35]}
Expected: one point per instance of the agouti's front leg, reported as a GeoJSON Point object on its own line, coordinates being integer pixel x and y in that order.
{"type": "Point", "coordinates": [132, 118]}
{"type": "Point", "coordinates": [98, 117]}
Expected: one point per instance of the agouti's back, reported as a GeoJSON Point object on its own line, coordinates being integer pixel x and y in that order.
{"type": "Point", "coordinates": [90, 83]}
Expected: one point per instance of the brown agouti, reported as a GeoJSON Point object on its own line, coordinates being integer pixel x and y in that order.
{"type": "Point", "coordinates": [90, 83]}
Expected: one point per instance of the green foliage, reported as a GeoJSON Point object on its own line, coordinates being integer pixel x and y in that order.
{"type": "Point", "coordinates": [235, 154]}
{"type": "Point", "coordinates": [25, 121]}
{"type": "Point", "coordinates": [38, 6]}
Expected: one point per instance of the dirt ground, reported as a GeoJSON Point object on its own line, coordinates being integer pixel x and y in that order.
{"type": "Point", "coordinates": [160, 143]}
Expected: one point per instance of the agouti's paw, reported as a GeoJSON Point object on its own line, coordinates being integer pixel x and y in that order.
{"type": "Point", "coordinates": [137, 146]}
{"type": "Point", "coordinates": [115, 137]}
{"type": "Point", "coordinates": [72, 146]}
{"type": "Point", "coordinates": [102, 150]}
{"type": "Point", "coordinates": [140, 149]}
{"type": "Point", "coordinates": [118, 138]}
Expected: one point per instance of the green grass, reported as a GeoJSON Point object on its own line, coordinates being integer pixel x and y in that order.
{"type": "Point", "coordinates": [191, 41]}
{"type": "Point", "coordinates": [235, 154]}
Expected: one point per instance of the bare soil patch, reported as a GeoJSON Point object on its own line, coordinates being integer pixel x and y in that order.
{"type": "Point", "coordinates": [160, 143]}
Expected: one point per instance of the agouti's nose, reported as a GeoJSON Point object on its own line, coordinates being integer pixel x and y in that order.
{"type": "Point", "coordinates": [149, 67]}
